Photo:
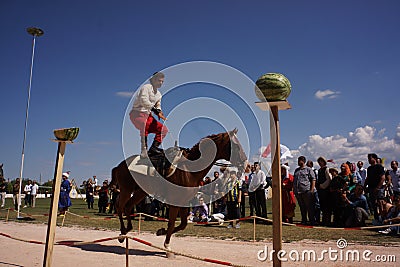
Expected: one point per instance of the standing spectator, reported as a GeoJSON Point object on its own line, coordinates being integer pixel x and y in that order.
{"type": "Point", "coordinates": [288, 200]}
{"type": "Point", "coordinates": [352, 176]}
{"type": "Point", "coordinates": [3, 189]}
{"type": "Point", "coordinates": [213, 189]}
{"type": "Point", "coordinates": [323, 182]}
{"type": "Point", "coordinates": [252, 194]}
{"type": "Point", "coordinates": [27, 190]}
{"type": "Point", "coordinates": [1, 171]}
{"type": "Point", "coordinates": [16, 196]}
{"type": "Point", "coordinates": [257, 185]}
{"type": "Point", "coordinates": [233, 198]}
{"type": "Point", "coordinates": [394, 179]}
{"type": "Point", "coordinates": [95, 181]}
{"type": "Point", "coordinates": [114, 194]}
{"type": "Point", "coordinates": [89, 193]}
{"type": "Point", "coordinates": [304, 186]}
{"type": "Point", "coordinates": [245, 190]}
{"type": "Point", "coordinates": [219, 205]}
{"type": "Point", "coordinates": [361, 173]}
{"type": "Point", "coordinates": [338, 187]}
{"type": "Point", "coordinates": [374, 182]}
{"type": "Point", "coordinates": [65, 202]}
{"type": "Point", "coordinates": [103, 198]}
{"type": "Point", "coordinates": [34, 190]}
{"type": "Point", "coordinates": [346, 174]}
{"type": "Point", "coordinates": [310, 164]}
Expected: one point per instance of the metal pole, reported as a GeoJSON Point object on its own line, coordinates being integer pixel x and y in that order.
{"type": "Point", "coordinates": [34, 32]}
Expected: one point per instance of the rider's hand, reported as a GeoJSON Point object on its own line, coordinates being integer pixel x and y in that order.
{"type": "Point", "coordinates": [161, 116]}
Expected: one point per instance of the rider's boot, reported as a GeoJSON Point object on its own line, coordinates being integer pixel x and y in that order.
{"type": "Point", "coordinates": [143, 147]}
{"type": "Point", "coordinates": [154, 149]}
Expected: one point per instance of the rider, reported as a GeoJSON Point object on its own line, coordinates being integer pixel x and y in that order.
{"type": "Point", "coordinates": [148, 101]}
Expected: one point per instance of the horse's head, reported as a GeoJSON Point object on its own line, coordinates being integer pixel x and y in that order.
{"type": "Point", "coordinates": [237, 156]}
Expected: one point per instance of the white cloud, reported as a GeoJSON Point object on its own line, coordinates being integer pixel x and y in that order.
{"type": "Point", "coordinates": [353, 147]}
{"type": "Point", "coordinates": [326, 94]}
{"type": "Point", "coordinates": [125, 94]}
{"type": "Point", "coordinates": [397, 136]}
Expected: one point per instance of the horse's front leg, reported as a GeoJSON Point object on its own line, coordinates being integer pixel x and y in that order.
{"type": "Point", "coordinates": [173, 213]}
{"type": "Point", "coordinates": [120, 206]}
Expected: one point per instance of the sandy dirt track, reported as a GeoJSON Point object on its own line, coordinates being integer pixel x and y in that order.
{"type": "Point", "coordinates": [112, 253]}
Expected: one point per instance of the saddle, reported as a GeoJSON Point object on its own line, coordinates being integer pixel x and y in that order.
{"type": "Point", "coordinates": [163, 164]}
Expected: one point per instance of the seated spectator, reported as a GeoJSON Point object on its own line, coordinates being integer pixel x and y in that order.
{"type": "Point", "coordinates": [393, 218]}
{"type": "Point", "coordinates": [356, 211]}
{"type": "Point", "coordinates": [199, 212]}
{"type": "Point", "coordinates": [383, 208]}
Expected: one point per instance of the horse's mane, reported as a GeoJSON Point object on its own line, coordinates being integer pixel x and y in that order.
{"type": "Point", "coordinates": [194, 152]}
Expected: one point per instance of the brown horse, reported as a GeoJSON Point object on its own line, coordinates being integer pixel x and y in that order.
{"type": "Point", "coordinates": [223, 146]}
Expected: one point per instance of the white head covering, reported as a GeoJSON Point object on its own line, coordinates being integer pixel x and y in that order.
{"type": "Point", "coordinates": [66, 174]}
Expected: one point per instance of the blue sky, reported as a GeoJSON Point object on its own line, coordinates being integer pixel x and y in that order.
{"type": "Point", "coordinates": [93, 52]}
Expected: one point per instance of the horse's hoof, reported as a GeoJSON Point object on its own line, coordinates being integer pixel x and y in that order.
{"type": "Point", "coordinates": [161, 231]}
{"type": "Point", "coordinates": [121, 239]}
{"type": "Point", "coordinates": [170, 255]}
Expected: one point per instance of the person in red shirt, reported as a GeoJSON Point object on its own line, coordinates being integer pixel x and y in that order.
{"type": "Point", "coordinates": [288, 200]}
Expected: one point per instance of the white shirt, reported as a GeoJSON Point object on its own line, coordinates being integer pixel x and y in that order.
{"type": "Point", "coordinates": [34, 189]}
{"type": "Point", "coordinates": [363, 174]}
{"type": "Point", "coordinates": [146, 99]}
{"type": "Point", "coordinates": [259, 178]}
{"type": "Point", "coordinates": [395, 179]}
{"type": "Point", "coordinates": [27, 188]}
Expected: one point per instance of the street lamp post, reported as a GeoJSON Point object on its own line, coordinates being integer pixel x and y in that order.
{"type": "Point", "coordinates": [35, 32]}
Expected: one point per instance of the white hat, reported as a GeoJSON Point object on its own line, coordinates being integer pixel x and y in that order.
{"type": "Point", "coordinates": [66, 174]}
{"type": "Point", "coordinates": [285, 166]}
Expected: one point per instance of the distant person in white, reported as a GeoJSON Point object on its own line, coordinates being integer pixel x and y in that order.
{"type": "Point", "coordinates": [395, 177]}
{"type": "Point", "coordinates": [361, 174]}
{"type": "Point", "coordinates": [34, 190]}
{"type": "Point", "coordinates": [257, 185]}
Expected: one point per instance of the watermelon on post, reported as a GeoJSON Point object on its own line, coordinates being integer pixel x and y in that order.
{"type": "Point", "coordinates": [66, 134]}
{"type": "Point", "coordinates": [273, 87]}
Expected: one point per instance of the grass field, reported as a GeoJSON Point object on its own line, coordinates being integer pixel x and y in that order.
{"type": "Point", "coordinates": [94, 220]}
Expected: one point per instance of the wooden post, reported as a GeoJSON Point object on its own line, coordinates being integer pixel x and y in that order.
{"type": "Point", "coordinates": [254, 229]}
{"type": "Point", "coordinates": [274, 107]}
{"type": "Point", "coordinates": [140, 221]}
{"type": "Point", "coordinates": [276, 186]}
{"type": "Point", "coordinates": [127, 252]}
{"type": "Point", "coordinates": [52, 222]}
{"type": "Point", "coordinates": [63, 218]}
{"type": "Point", "coordinates": [8, 214]}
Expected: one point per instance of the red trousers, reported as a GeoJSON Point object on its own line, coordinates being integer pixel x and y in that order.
{"type": "Point", "coordinates": [146, 124]}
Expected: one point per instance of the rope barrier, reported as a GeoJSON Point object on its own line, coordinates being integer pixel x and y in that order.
{"type": "Point", "coordinates": [225, 221]}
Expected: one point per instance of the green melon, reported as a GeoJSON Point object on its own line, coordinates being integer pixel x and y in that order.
{"type": "Point", "coordinates": [66, 134]}
{"type": "Point", "coordinates": [273, 87]}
